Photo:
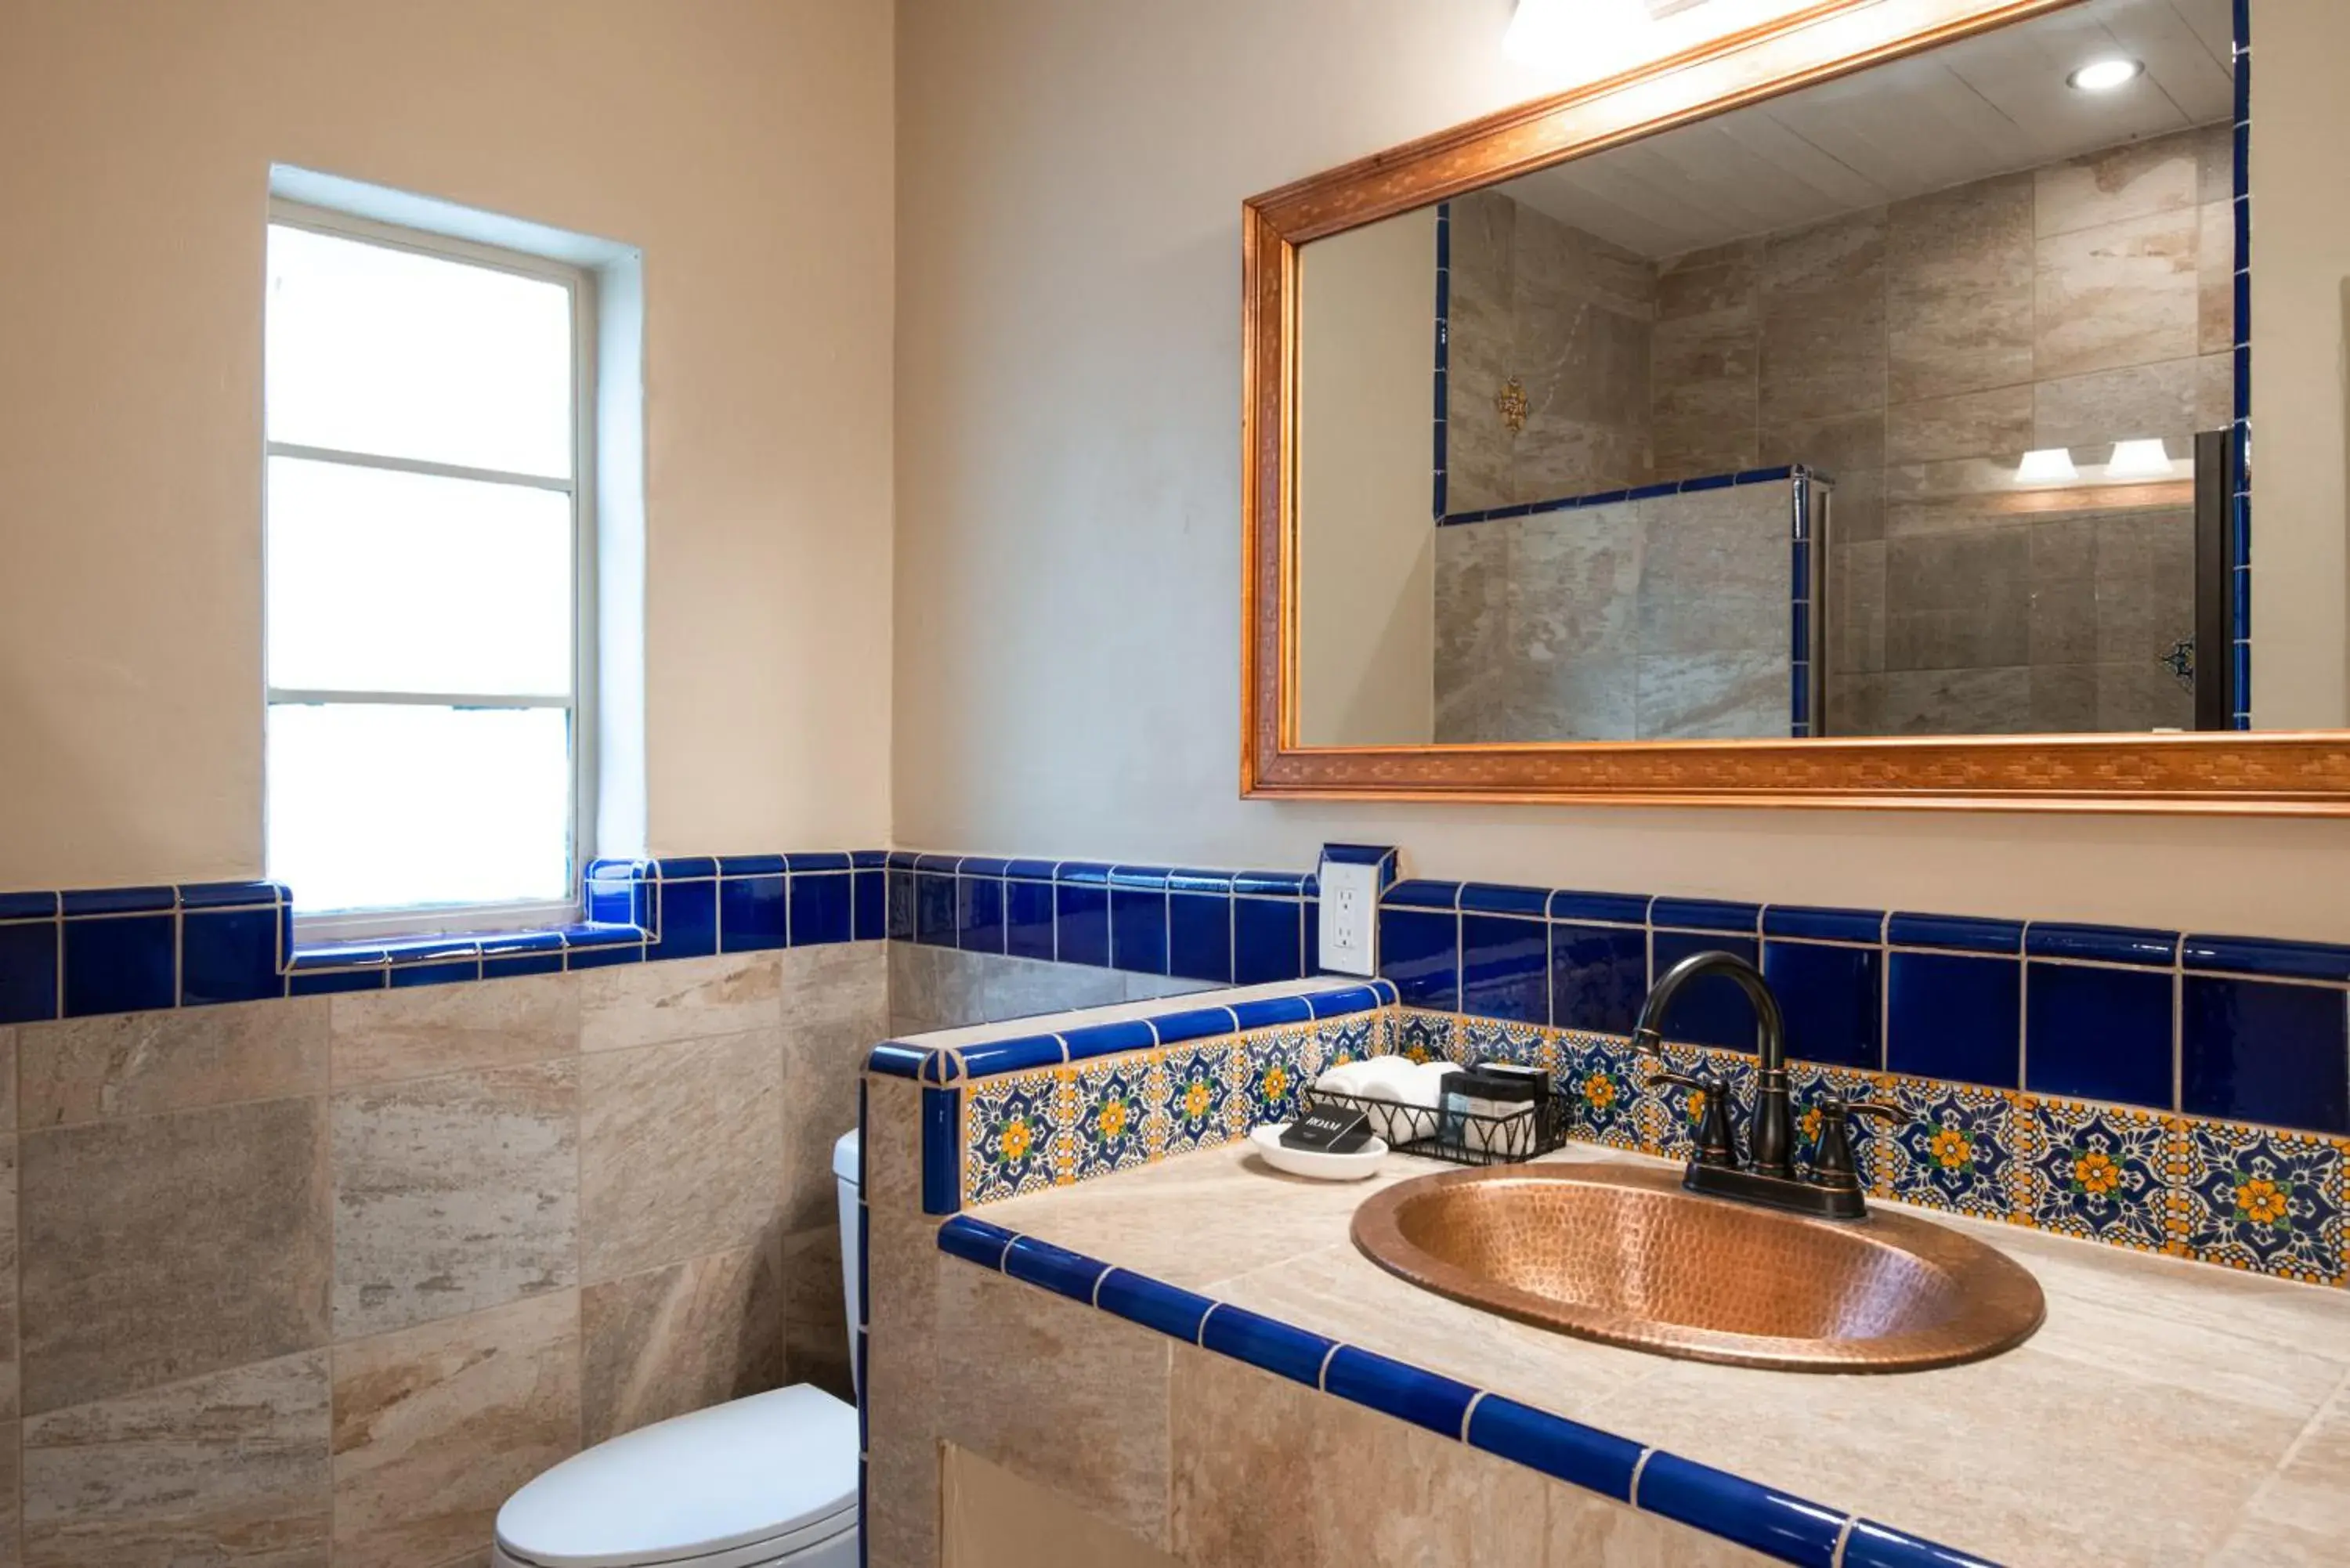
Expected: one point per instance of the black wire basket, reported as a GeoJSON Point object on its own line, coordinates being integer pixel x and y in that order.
{"type": "Point", "coordinates": [1457, 1135]}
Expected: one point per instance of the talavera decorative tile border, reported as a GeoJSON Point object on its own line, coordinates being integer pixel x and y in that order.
{"type": "Point", "coordinates": [1762, 1519]}
{"type": "Point", "coordinates": [2228, 1028]}
{"type": "Point", "coordinates": [2260, 1199]}
{"type": "Point", "coordinates": [1017, 1113]}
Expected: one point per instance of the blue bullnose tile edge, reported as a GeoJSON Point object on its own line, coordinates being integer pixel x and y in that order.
{"type": "Point", "coordinates": [1822, 925]}
{"type": "Point", "coordinates": [1779, 1525]}
{"type": "Point", "coordinates": [975, 1242]}
{"type": "Point", "coordinates": [1015, 1056]}
{"type": "Point", "coordinates": [1138, 1298]}
{"type": "Point", "coordinates": [1763, 1518]}
{"type": "Point", "coordinates": [1960, 933]}
{"type": "Point", "coordinates": [1394, 1388]}
{"type": "Point", "coordinates": [1267, 1343]}
{"type": "Point", "coordinates": [895, 1060]}
{"type": "Point", "coordinates": [2102, 944]}
{"type": "Point", "coordinates": [1567, 1450]}
{"type": "Point", "coordinates": [2270, 959]}
{"type": "Point", "coordinates": [1705, 915]}
{"type": "Point", "coordinates": [1055, 1268]}
{"type": "Point", "coordinates": [1872, 1545]}
{"type": "Point", "coordinates": [1264, 1012]}
{"type": "Point", "coordinates": [941, 1150]}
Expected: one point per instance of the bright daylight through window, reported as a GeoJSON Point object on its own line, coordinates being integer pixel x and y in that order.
{"type": "Point", "coordinates": [425, 587]}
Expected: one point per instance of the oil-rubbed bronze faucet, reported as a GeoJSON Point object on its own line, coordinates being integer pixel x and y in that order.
{"type": "Point", "coordinates": [1766, 1174]}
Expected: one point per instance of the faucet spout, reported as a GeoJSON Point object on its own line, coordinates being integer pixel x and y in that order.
{"type": "Point", "coordinates": [1771, 1145]}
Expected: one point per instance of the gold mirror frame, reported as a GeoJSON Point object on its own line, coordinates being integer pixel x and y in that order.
{"type": "Point", "coordinates": [2277, 772]}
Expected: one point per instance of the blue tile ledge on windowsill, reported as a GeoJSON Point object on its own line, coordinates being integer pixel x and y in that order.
{"type": "Point", "coordinates": [1732, 1452]}
{"type": "Point", "coordinates": [983, 1049]}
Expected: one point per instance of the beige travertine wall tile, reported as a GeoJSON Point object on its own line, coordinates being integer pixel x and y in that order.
{"type": "Point", "coordinates": [2136, 180]}
{"type": "Point", "coordinates": [1269, 1474]}
{"type": "Point", "coordinates": [945, 988]}
{"type": "Point", "coordinates": [681, 1150]}
{"type": "Point", "coordinates": [228, 1469]}
{"type": "Point", "coordinates": [435, 1427]}
{"type": "Point", "coordinates": [2215, 261]}
{"type": "Point", "coordinates": [816, 1307]}
{"type": "Point", "coordinates": [124, 1224]}
{"type": "Point", "coordinates": [1996, 423]}
{"type": "Point", "coordinates": [381, 1036]}
{"type": "Point", "coordinates": [902, 1361]}
{"type": "Point", "coordinates": [671, 1340]}
{"type": "Point", "coordinates": [835, 1010]}
{"type": "Point", "coordinates": [1101, 1440]}
{"type": "Point", "coordinates": [454, 1193]}
{"type": "Point", "coordinates": [128, 1063]}
{"type": "Point", "coordinates": [8, 1060]}
{"type": "Point", "coordinates": [10, 1391]}
{"type": "Point", "coordinates": [1824, 320]}
{"type": "Point", "coordinates": [1959, 297]}
{"type": "Point", "coordinates": [1587, 1531]}
{"type": "Point", "coordinates": [631, 1004]}
{"type": "Point", "coordinates": [11, 1495]}
{"type": "Point", "coordinates": [2119, 294]}
{"type": "Point", "coordinates": [994, 1519]}
{"type": "Point", "coordinates": [2093, 411]}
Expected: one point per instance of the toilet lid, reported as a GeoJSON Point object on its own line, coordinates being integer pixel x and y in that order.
{"type": "Point", "coordinates": [732, 1475]}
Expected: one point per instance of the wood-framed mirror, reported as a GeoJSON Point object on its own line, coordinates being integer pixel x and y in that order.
{"type": "Point", "coordinates": [1853, 412]}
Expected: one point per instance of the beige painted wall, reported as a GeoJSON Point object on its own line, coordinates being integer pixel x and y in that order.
{"type": "Point", "coordinates": [745, 145]}
{"type": "Point", "coordinates": [2301, 273]}
{"type": "Point", "coordinates": [1069, 190]}
{"type": "Point", "coordinates": [1366, 539]}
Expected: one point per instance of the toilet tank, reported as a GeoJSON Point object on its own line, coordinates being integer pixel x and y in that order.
{"type": "Point", "coordinates": [844, 1177]}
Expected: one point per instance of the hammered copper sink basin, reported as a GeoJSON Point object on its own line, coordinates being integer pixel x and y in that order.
{"type": "Point", "coordinates": [1623, 1255]}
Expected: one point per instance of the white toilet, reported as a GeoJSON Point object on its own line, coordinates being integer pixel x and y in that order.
{"type": "Point", "coordinates": [769, 1481]}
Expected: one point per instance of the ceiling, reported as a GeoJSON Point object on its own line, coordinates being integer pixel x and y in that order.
{"type": "Point", "coordinates": [1987, 105]}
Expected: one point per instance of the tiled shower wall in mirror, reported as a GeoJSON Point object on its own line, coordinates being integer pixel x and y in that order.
{"type": "Point", "coordinates": [1913, 351]}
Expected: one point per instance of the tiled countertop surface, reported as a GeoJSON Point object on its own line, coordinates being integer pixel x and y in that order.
{"type": "Point", "coordinates": [2167, 1413]}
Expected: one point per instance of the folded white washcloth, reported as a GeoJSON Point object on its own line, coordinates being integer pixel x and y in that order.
{"type": "Point", "coordinates": [1423, 1084]}
{"type": "Point", "coordinates": [1349, 1078]}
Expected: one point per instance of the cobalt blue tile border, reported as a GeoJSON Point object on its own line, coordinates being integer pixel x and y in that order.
{"type": "Point", "coordinates": [2047, 1007]}
{"type": "Point", "coordinates": [1778, 1525]}
{"type": "Point", "coordinates": [88, 951]}
{"type": "Point", "coordinates": [1266, 1343]}
{"type": "Point", "coordinates": [1780, 475]}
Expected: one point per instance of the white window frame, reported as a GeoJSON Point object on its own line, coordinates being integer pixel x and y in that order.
{"type": "Point", "coordinates": [580, 283]}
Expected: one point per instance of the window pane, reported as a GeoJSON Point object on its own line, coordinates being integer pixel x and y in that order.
{"type": "Point", "coordinates": [381, 581]}
{"type": "Point", "coordinates": [380, 807]}
{"type": "Point", "coordinates": [386, 351]}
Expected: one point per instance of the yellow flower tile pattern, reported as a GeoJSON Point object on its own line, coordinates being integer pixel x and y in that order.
{"type": "Point", "coordinates": [2255, 1198]}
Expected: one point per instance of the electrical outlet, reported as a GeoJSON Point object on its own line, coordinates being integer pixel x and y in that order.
{"type": "Point", "coordinates": [1350, 915]}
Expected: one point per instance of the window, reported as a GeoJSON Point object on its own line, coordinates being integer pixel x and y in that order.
{"type": "Point", "coordinates": [429, 575]}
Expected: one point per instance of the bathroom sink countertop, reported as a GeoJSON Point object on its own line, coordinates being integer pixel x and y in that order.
{"type": "Point", "coordinates": [2167, 1413]}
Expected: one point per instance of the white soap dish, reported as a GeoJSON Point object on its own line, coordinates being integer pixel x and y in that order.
{"type": "Point", "coordinates": [1313, 1163]}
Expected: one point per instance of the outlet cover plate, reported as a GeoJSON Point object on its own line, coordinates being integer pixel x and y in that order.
{"type": "Point", "coordinates": [1350, 918]}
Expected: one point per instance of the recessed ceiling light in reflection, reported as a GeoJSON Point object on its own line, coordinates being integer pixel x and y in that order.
{"type": "Point", "coordinates": [2139, 460]}
{"type": "Point", "coordinates": [2106, 75]}
{"type": "Point", "coordinates": [2050, 466]}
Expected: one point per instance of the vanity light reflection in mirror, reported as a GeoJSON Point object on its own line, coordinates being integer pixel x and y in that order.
{"type": "Point", "coordinates": [1867, 410]}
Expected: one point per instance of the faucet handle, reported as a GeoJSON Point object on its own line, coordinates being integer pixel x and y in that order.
{"type": "Point", "coordinates": [1717, 1140]}
{"type": "Point", "coordinates": [1833, 1165]}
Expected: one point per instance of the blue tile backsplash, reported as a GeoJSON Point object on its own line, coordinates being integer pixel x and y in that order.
{"type": "Point", "coordinates": [2252, 1030]}
{"type": "Point", "coordinates": [2245, 1029]}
